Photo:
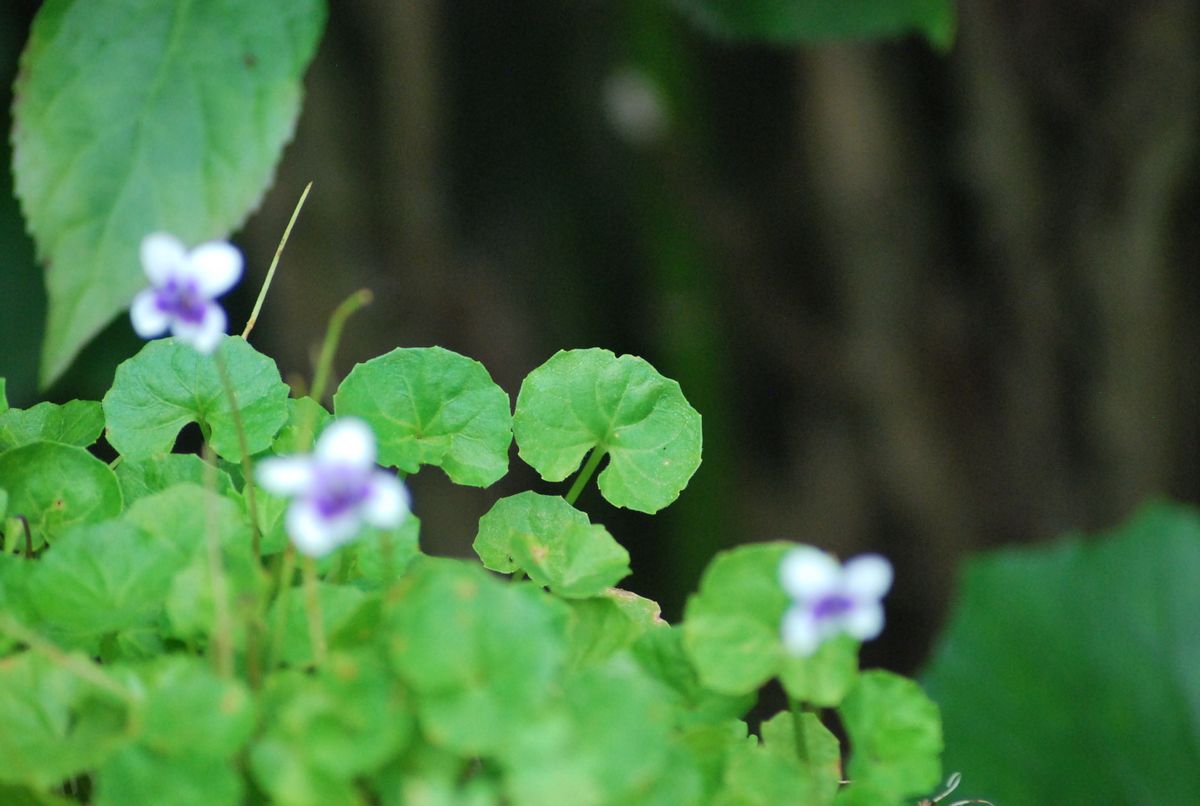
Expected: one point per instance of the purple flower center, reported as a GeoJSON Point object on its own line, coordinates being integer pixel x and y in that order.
{"type": "Point", "coordinates": [832, 606]}
{"type": "Point", "coordinates": [340, 489]}
{"type": "Point", "coordinates": [182, 300]}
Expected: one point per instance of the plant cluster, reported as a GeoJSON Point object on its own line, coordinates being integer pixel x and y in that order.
{"type": "Point", "coordinates": [174, 627]}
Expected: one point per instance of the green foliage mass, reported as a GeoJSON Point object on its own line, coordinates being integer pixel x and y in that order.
{"type": "Point", "coordinates": [150, 646]}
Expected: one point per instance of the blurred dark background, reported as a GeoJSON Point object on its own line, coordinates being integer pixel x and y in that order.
{"type": "Point", "coordinates": [926, 302]}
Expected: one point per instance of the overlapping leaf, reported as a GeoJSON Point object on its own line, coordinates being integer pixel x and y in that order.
{"type": "Point", "coordinates": [135, 116]}
{"type": "Point", "coordinates": [552, 542]}
{"type": "Point", "coordinates": [168, 385]}
{"type": "Point", "coordinates": [731, 631]}
{"type": "Point", "coordinates": [431, 406]}
{"type": "Point", "coordinates": [78, 422]}
{"type": "Point", "coordinates": [582, 400]}
{"type": "Point", "coordinates": [55, 486]}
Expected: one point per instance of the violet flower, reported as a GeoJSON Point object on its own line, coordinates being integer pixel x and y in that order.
{"type": "Point", "coordinates": [183, 287]}
{"type": "Point", "coordinates": [335, 489]}
{"type": "Point", "coordinates": [829, 598]}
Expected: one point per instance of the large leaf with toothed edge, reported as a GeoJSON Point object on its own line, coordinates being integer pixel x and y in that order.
{"type": "Point", "coordinates": [138, 115]}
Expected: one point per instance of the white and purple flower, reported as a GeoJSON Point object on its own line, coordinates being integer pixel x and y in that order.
{"type": "Point", "coordinates": [829, 598]}
{"type": "Point", "coordinates": [183, 287]}
{"type": "Point", "coordinates": [336, 489]}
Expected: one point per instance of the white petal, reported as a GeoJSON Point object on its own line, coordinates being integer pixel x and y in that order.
{"type": "Point", "coordinates": [216, 267]}
{"type": "Point", "coordinates": [288, 475]}
{"type": "Point", "coordinates": [314, 535]}
{"type": "Point", "coordinates": [388, 503]}
{"type": "Point", "coordinates": [809, 573]}
{"type": "Point", "coordinates": [148, 320]}
{"type": "Point", "coordinates": [868, 576]}
{"type": "Point", "coordinates": [346, 441]}
{"type": "Point", "coordinates": [799, 631]}
{"type": "Point", "coordinates": [208, 334]}
{"type": "Point", "coordinates": [864, 621]}
{"type": "Point", "coordinates": [163, 257]}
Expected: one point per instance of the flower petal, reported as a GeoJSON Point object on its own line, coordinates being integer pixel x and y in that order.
{"type": "Point", "coordinates": [163, 257]}
{"type": "Point", "coordinates": [315, 535]}
{"type": "Point", "coordinates": [864, 621]}
{"type": "Point", "coordinates": [287, 475]}
{"type": "Point", "coordinates": [148, 320]}
{"type": "Point", "coordinates": [809, 573]}
{"type": "Point", "coordinates": [216, 267]}
{"type": "Point", "coordinates": [800, 631]}
{"type": "Point", "coordinates": [388, 503]}
{"type": "Point", "coordinates": [867, 576]}
{"type": "Point", "coordinates": [346, 441]}
{"type": "Point", "coordinates": [207, 335]}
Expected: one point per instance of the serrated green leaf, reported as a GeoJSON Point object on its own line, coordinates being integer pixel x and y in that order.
{"type": "Point", "coordinates": [142, 477]}
{"type": "Point", "coordinates": [553, 542]}
{"type": "Point", "coordinates": [178, 126]}
{"type": "Point", "coordinates": [101, 578]}
{"type": "Point", "coordinates": [1067, 673]}
{"type": "Point", "coordinates": [78, 422]}
{"type": "Point", "coordinates": [816, 749]}
{"type": "Point", "coordinates": [479, 654]}
{"type": "Point", "coordinates": [431, 406]}
{"type": "Point", "coordinates": [600, 627]}
{"type": "Point", "coordinates": [731, 631]}
{"type": "Point", "coordinates": [56, 725]}
{"type": "Point", "coordinates": [585, 399]}
{"type": "Point", "coordinates": [757, 776]}
{"type": "Point", "coordinates": [895, 737]}
{"type": "Point", "coordinates": [57, 486]}
{"type": "Point", "coordinates": [168, 385]}
{"type": "Point", "coordinates": [819, 20]}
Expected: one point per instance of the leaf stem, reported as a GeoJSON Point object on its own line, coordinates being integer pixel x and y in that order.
{"type": "Point", "coordinates": [589, 468]}
{"type": "Point", "coordinates": [223, 621]}
{"type": "Point", "coordinates": [312, 604]}
{"type": "Point", "coordinates": [244, 448]}
{"type": "Point", "coordinates": [284, 588]}
{"type": "Point", "coordinates": [798, 710]}
{"type": "Point", "coordinates": [262, 292]}
{"type": "Point", "coordinates": [333, 335]}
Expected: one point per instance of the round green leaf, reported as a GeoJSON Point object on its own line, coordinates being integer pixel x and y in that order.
{"type": "Point", "coordinates": [78, 422]}
{"type": "Point", "coordinates": [101, 578]}
{"type": "Point", "coordinates": [137, 774]}
{"type": "Point", "coordinates": [553, 542]}
{"type": "Point", "coordinates": [431, 406]}
{"type": "Point", "coordinates": [480, 655]}
{"type": "Point", "coordinates": [134, 116]}
{"type": "Point", "coordinates": [895, 737]}
{"type": "Point", "coordinates": [55, 486]}
{"type": "Point", "coordinates": [816, 748]}
{"type": "Point", "coordinates": [581, 400]}
{"type": "Point", "coordinates": [731, 630]}
{"type": "Point", "coordinates": [1068, 672]}
{"type": "Point", "coordinates": [168, 385]}
{"type": "Point", "coordinates": [822, 20]}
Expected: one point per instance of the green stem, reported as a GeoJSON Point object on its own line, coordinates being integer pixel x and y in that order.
{"type": "Point", "coordinates": [244, 447]}
{"type": "Point", "coordinates": [312, 604]}
{"type": "Point", "coordinates": [262, 292]}
{"type": "Point", "coordinates": [222, 620]}
{"type": "Point", "coordinates": [333, 335]}
{"type": "Point", "coordinates": [798, 710]}
{"type": "Point", "coordinates": [589, 468]}
{"type": "Point", "coordinates": [284, 587]}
